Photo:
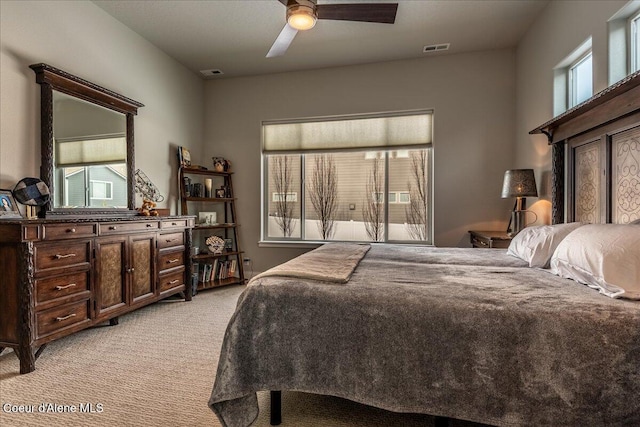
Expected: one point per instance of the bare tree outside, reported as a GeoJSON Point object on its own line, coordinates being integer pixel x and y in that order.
{"type": "Point", "coordinates": [417, 210]}
{"type": "Point", "coordinates": [373, 207]}
{"type": "Point", "coordinates": [282, 173]}
{"type": "Point", "coordinates": [323, 192]}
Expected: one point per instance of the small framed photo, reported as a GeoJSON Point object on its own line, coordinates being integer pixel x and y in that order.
{"type": "Point", "coordinates": [8, 205]}
{"type": "Point", "coordinates": [207, 218]}
{"type": "Point", "coordinates": [184, 157]}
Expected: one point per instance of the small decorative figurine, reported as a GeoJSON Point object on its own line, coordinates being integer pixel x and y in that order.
{"type": "Point", "coordinates": [221, 165]}
{"type": "Point", "coordinates": [148, 208]}
{"type": "Point", "coordinates": [215, 244]}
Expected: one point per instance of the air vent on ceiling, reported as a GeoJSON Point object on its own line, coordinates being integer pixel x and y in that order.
{"type": "Point", "coordinates": [211, 73]}
{"type": "Point", "coordinates": [436, 47]}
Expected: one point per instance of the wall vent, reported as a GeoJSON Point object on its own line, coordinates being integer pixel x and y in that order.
{"type": "Point", "coordinates": [436, 47]}
{"type": "Point", "coordinates": [211, 73]}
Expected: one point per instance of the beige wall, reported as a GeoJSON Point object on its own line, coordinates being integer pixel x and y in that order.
{"type": "Point", "coordinates": [472, 96]}
{"type": "Point", "coordinates": [82, 39]}
{"type": "Point", "coordinates": [561, 27]}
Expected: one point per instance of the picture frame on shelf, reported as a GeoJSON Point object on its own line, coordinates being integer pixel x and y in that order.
{"type": "Point", "coordinates": [184, 157]}
{"type": "Point", "coordinates": [207, 218]}
{"type": "Point", "coordinates": [8, 206]}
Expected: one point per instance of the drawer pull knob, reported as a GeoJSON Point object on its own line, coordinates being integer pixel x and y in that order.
{"type": "Point", "coordinates": [61, 287]}
{"type": "Point", "coordinates": [171, 261]}
{"type": "Point", "coordinates": [130, 270]}
{"type": "Point", "coordinates": [113, 227]}
{"type": "Point", "coordinates": [149, 225]}
{"type": "Point", "coordinates": [173, 282]}
{"type": "Point", "coordinates": [174, 223]}
{"type": "Point", "coordinates": [58, 256]}
{"type": "Point", "coordinates": [71, 230]}
{"type": "Point", "coordinates": [171, 240]}
{"type": "Point", "coordinates": [69, 316]}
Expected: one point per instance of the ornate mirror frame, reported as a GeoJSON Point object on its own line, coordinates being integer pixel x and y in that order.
{"type": "Point", "coordinates": [50, 79]}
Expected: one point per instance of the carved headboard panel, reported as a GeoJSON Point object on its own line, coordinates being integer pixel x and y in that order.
{"type": "Point", "coordinates": [596, 145]}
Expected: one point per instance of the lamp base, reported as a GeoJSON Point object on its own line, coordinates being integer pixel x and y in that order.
{"type": "Point", "coordinates": [518, 222]}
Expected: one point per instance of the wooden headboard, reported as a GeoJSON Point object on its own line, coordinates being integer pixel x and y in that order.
{"type": "Point", "coordinates": [596, 147]}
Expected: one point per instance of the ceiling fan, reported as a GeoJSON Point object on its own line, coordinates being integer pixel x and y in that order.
{"type": "Point", "coordinates": [303, 14]}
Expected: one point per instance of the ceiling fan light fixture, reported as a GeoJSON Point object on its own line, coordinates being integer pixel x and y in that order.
{"type": "Point", "coordinates": [301, 17]}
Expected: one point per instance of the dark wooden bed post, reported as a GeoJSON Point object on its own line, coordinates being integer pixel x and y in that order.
{"type": "Point", "coordinates": [276, 408]}
{"type": "Point", "coordinates": [557, 182]}
{"type": "Point", "coordinates": [557, 178]}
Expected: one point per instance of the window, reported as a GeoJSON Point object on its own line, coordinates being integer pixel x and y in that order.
{"type": "Point", "coordinates": [101, 190]}
{"type": "Point", "coordinates": [342, 197]}
{"type": "Point", "coordinates": [624, 41]}
{"type": "Point", "coordinates": [284, 197]}
{"type": "Point", "coordinates": [404, 197]}
{"type": "Point", "coordinates": [581, 80]}
{"type": "Point", "coordinates": [635, 43]}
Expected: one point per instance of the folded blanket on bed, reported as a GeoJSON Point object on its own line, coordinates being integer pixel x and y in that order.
{"type": "Point", "coordinates": [332, 262]}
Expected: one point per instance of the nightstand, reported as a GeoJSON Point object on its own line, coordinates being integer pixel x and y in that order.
{"type": "Point", "coordinates": [489, 239]}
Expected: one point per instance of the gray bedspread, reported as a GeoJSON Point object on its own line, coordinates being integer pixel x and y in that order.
{"type": "Point", "coordinates": [463, 333]}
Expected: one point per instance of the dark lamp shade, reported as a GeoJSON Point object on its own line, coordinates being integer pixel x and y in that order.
{"type": "Point", "coordinates": [519, 183]}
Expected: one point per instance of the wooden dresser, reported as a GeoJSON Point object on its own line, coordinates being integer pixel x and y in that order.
{"type": "Point", "coordinates": [60, 276]}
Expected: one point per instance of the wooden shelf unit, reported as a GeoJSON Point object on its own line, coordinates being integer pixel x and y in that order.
{"type": "Point", "coordinates": [229, 229]}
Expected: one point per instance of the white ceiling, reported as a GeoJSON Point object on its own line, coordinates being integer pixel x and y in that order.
{"type": "Point", "coordinates": [235, 35]}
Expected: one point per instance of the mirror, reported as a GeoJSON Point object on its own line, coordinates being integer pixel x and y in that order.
{"type": "Point", "coordinates": [87, 146]}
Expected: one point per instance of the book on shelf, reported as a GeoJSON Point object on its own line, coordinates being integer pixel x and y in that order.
{"type": "Point", "coordinates": [184, 157]}
{"type": "Point", "coordinates": [195, 269]}
{"type": "Point", "coordinates": [206, 273]}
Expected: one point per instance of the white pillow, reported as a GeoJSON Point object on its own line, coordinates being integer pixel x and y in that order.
{"type": "Point", "coordinates": [536, 244]}
{"type": "Point", "coordinates": [602, 256]}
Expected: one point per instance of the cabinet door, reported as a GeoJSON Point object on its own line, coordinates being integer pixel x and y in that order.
{"type": "Point", "coordinates": [111, 275]}
{"type": "Point", "coordinates": [142, 266]}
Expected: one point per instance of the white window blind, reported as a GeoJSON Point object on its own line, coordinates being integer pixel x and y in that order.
{"type": "Point", "coordinates": [91, 152]}
{"type": "Point", "coordinates": [411, 130]}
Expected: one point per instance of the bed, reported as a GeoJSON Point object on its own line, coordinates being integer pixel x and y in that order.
{"type": "Point", "coordinates": [474, 334]}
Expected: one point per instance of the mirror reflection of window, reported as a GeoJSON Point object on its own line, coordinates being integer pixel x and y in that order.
{"type": "Point", "coordinates": [90, 155]}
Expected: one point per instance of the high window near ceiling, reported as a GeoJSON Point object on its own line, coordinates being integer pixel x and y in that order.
{"type": "Point", "coordinates": [356, 178]}
{"type": "Point", "coordinates": [634, 31]}
{"type": "Point", "coordinates": [581, 80]}
{"type": "Point", "coordinates": [573, 79]}
{"type": "Point", "coordinates": [624, 42]}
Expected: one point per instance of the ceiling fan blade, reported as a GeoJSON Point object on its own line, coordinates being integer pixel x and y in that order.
{"type": "Point", "coordinates": [384, 13]}
{"type": "Point", "coordinates": [283, 41]}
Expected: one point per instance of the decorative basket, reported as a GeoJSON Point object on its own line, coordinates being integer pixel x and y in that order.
{"type": "Point", "coordinates": [215, 244]}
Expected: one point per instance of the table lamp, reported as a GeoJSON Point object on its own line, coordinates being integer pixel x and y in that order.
{"type": "Point", "coordinates": [518, 183]}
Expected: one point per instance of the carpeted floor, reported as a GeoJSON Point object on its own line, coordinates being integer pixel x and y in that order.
{"type": "Point", "coordinates": [156, 368]}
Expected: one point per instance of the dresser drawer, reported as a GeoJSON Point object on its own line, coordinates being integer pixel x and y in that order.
{"type": "Point", "coordinates": [173, 223]}
{"type": "Point", "coordinates": [61, 286]}
{"type": "Point", "coordinates": [62, 255]}
{"type": "Point", "coordinates": [480, 242]}
{"type": "Point", "coordinates": [169, 240]}
{"type": "Point", "coordinates": [127, 227]}
{"type": "Point", "coordinates": [55, 319]}
{"type": "Point", "coordinates": [69, 231]}
{"type": "Point", "coordinates": [170, 260]}
{"type": "Point", "coordinates": [171, 281]}
{"type": "Point", "coordinates": [489, 239]}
